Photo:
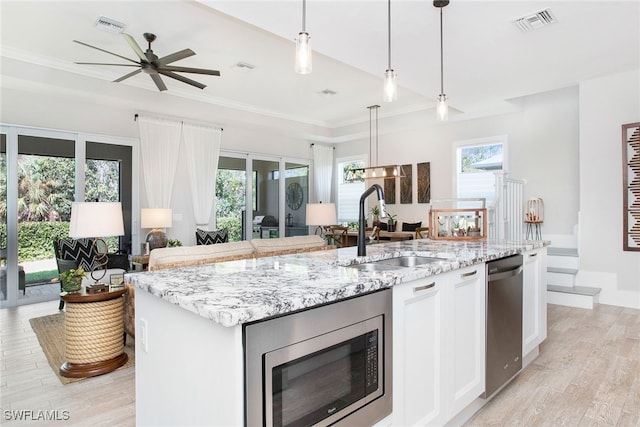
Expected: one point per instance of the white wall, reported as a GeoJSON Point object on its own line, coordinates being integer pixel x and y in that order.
{"type": "Point", "coordinates": [605, 105]}
{"type": "Point", "coordinates": [542, 148]}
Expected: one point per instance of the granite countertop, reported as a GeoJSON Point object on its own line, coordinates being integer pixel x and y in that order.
{"type": "Point", "coordinates": [236, 292]}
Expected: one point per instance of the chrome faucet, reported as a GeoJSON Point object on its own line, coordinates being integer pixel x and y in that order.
{"type": "Point", "coordinates": [362, 250]}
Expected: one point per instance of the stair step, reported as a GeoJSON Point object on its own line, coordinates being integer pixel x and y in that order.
{"type": "Point", "coordinates": [561, 270]}
{"type": "Point", "coordinates": [575, 296]}
{"type": "Point", "coordinates": [553, 251]}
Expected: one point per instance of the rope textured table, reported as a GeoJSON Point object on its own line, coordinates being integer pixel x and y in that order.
{"type": "Point", "coordinates": [94, 325]}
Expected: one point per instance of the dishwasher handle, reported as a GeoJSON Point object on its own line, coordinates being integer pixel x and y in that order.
{"type": "Point", "coordinates": [504, 274]}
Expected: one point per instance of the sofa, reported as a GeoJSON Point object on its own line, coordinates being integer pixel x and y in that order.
{"type": "Point", "coordinates": [186, 256]}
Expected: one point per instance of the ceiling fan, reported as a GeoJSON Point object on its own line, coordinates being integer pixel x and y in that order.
{"type": "Point", "coordinates": [150, 63]}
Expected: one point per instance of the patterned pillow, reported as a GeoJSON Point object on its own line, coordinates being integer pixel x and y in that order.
{"type": "Point", "coordinates": [411, 226]}
{"type": "Point", "coordinates": [78, 250]}
{"type": "Point", "coordinates": [204, 237]}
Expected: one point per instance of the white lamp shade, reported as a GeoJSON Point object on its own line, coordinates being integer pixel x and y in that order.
{"type": "Point", "coordinates": [321, 214]}
{"type": "Point", "coordinates": [156, 218]}
{"type": "Point", "coordinates": [96, 219]}
{"type": "Point", "coordinates": [304, 62]}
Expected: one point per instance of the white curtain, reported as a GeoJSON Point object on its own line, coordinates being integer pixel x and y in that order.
{"type": "Point", "coordinates": [159, 147]}
{"type": "Point", "coordinates": [202, 149]}
{"type": "Point", "coordinates": [322, 172]}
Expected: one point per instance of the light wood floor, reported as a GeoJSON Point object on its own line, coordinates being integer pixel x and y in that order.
{"type": "Point", "coordinates": [588, 373]}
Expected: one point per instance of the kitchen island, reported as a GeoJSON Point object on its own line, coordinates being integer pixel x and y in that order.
{"type": "Point", "coordinates": [189, 341]}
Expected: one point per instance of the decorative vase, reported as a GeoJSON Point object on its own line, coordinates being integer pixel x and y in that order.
{"type": "Point", "coordinates": [376, 221]}
{"type": "Point", "coordinates": [72, 285]}
{"type": "Point", "coordinates": [391, 226]}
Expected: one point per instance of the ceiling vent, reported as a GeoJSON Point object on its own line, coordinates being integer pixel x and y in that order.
{"type": "Point", "coordinates": [110, 25]}
{"type": "Point", "coordinates": [327, 92]}
{"type": "Point", "coordinates": [243, 67]}
{"type": "Point", "coordinates": [536, 20]}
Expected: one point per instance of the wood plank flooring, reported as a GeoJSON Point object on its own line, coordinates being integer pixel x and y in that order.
{"type": "Point", "coordinates": [588, 373]}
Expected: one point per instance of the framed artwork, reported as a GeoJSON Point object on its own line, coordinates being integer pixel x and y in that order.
{"type": "Point", "coordinates": [424, 182]}
{"type": "Point", "coordinates": [631, 186]}
{"type": "Point", "coordinates": [389, 188]}
{"type": "Point", "coordinates": [406, 186]}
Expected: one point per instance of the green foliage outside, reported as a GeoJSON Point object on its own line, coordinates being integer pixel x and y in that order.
{"type": "Point", "coordinates": [35, 239]}
{"type": "Point", "coordinates": [233, 225]}
{"type": "Point", "coordinates": [353, 172]}
{"type": "Point", "coordinates": [472, 155]}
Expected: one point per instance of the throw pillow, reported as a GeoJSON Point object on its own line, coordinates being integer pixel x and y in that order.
{"type": "Point", "coordinates": [204, 237]}
{"type": "Point", "coordinates": [78, 250]}
{"type": "Point", "coordinates": [411, 226]}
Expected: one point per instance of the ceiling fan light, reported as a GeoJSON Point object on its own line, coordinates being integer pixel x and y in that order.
{"type": "Point", "coordinates": [303, 53]}
{"type": "Point", "coordinates": [390, 86]}
{"type": "Point", "coordinates": [442, 107]}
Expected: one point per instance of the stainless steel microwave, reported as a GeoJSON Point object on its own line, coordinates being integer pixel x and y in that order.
{"type": "Point", "coordinates": [325, 366]}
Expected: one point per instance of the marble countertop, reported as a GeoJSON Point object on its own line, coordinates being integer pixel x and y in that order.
{"type": "Point", "coordinates": [236, 292]}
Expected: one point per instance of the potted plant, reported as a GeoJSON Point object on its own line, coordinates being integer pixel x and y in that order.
{"type": "Point", "coordinates": [72, 279]}
{"type": "Point", "coordinates": [375, 213]}
{"type": "Point", "coordinates": [391, 222]}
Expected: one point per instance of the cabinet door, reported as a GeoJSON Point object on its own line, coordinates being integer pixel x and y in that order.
{"type": "Point", "coordinates": [466, 329]}
{"type": "Point", "coordinates": [417, 361]}
{"type": "Point", "coordinates": [534, 300]}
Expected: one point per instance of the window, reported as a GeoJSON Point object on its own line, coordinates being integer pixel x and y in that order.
{"type": "Point", "coordinates": [350, 187]}
{"type": "Point", "coordinates": [476, 162]}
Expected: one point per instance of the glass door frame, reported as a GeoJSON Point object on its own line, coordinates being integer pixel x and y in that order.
{"type": "Point", "coordinates": [12, 133]}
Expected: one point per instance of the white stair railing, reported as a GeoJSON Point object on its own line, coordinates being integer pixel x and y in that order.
{"type": "Point", "coordinates": [505, 217]}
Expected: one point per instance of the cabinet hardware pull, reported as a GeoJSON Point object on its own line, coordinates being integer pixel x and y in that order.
{"type": "Point", "coordinates": [532, 255]}
{"type": "Point", "coordinates": [423, 287]}
{"type": "Point", "coordinates": [471, 273]}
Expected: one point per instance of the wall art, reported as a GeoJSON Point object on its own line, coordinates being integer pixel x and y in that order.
{"type": "Point", "coordinates": [631, 185]}
{"type": "Point", "coordinates": [424, 182]}
{"type": "Point", "coordinates": [389, 187]}
{"type": "Point", "coordinates": [406, 186]}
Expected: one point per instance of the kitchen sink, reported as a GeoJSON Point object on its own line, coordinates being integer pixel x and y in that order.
{"type": "Point", "coordinates": [372, 266]}
{"type": "Point", "coordinates": [394, 263]}
{"type": "Point", "coordinates": [410, 261]}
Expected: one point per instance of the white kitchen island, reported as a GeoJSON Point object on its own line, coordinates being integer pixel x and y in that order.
{"type": "Point", "coordinates": [189, 340]}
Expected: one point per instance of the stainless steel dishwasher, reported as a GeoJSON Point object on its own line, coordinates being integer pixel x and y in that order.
{"type": "Point", "coordinates": [504, 322]}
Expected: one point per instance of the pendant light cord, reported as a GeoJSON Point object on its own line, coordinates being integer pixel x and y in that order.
{"type": "Point", "coordinates": [389, 33]}
{"type": "Point", "coordinates": [304, 16]}
{"type": "Point", "coordinates": [441, 57]}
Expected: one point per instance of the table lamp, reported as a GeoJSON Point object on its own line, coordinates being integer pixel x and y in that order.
{"type": "Point", "coordinates": [156, 219]}
{"type": "Point", "coordinates": [321, 214]}
{"type": "Point", "coordinates": [96, 220]}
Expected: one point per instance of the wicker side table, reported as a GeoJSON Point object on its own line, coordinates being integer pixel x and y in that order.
{"type": "Point", "coordinates": [94, 328]}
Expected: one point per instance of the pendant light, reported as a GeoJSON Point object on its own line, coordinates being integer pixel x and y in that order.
{"type": "Point", "coordinates": [390, 81]}
{"type": "Point", "coordinates": [374, 171]}
{"type": "Point", "coordinates": [303, 46]}
{"type": "Point", "coordinates": [442, 107]}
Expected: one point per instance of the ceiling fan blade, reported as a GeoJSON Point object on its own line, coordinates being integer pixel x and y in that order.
{"type": "Point", "coordinates": [126, 76]}
{"type": "Point", "coordinates": [106, 51]}
{"type": "Point", "coordinates": [189, 70]}
{"type": "Point", "coordinates": [103, 63]}
{"type": "Point", "coordinates": [158, 81]}
{"type": "Point", "coordinates": [182, 79]}
{"type": "Point", "coordinates": [175, 57]}
{"type": "Point", "coordinates": [135, 46]}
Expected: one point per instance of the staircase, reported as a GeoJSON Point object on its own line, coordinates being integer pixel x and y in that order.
{"type": "Point", "coordinates": [562, 269]}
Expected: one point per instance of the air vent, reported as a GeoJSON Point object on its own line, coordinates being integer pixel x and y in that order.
{"type": "Point", "coordinates": [110, 25]}
{"type": "Point", "coordinates": [536, 20]}
{"type": "Point", "coordinates": [243, 67]}
{"type": "Point", "coordinates": [327, 92]}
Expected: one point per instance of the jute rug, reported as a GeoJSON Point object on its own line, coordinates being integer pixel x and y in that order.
{"type": "Point", "coordinates": [50, 333]}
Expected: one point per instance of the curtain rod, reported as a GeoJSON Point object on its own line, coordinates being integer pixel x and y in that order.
{"type": "Point", "coordinates": [135, 118]}
{"type": "Point", "coordinates": [313, 143]}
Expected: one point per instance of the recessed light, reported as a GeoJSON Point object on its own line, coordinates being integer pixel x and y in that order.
{"type": "Point", "coordinates": [110, 25]}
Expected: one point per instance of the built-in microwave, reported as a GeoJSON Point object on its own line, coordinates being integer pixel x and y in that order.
{"type": "Point", "coordinates": [325, 366]}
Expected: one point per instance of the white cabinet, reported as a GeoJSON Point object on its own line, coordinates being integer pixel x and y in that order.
{"type": "Point", "coordinates": [439, 342]}
{"type": "Point", "coordinates": [417, 352]}
{"type": "Point", "coordinates": [465, 331]}
{"type": "Point", "coordinates": [534, 299]}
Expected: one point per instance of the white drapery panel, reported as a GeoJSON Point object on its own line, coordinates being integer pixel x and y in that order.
{"type": "Point", "coordinates": [159, 147]}
{"type": "Point", "coordinates": [322, 172]}
{"type": "Point", "coordinates": [202, 149]}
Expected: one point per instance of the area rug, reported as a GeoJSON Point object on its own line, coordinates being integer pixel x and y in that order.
{"type": "Point", "coordinates": [50, 333]}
